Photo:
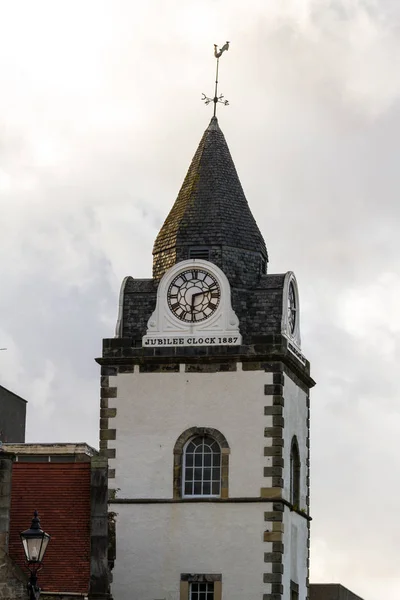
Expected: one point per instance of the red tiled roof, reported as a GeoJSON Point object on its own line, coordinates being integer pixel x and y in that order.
{"type": "Point", "coordinates": [60, 492]}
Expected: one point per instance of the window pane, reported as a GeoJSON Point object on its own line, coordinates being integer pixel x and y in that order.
{"type": "Point", "coordinates": [188, 474]}
{"type": "Point", "coordinates": [188, 489]}
{"type": "Point", "coordinates": [194, 595]}
{"type": "Point", "coordinates": [206, 488]}
{"type": "Point", "coordinates": [215, 489]}
{"type": "Point", "coordinates": [198, 459]}
{"type": "Point", "coordinates": [216, 474]}
{"type": "Point", "coordinates": [189, 460]}
{"type": "Point", "coordinates": [197, 474]}
{"type": "Point", "coordinates": [216, 460]}
{"type": "Point", "coordinates": [197, 488]}
{"type": "Point", "coordinates": [207, 460]}
{"type": "Point", "coordinates": [207, 474]}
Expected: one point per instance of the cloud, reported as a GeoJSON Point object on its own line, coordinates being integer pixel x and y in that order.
{"type": "Point", "coordinates": [100, 114]}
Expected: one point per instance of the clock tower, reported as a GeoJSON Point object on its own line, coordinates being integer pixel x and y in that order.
{"type": "Point", "coordinates": [205, 407]}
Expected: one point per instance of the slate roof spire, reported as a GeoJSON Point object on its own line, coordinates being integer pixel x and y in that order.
{"type": "Point", "coordinates": [212, 213]}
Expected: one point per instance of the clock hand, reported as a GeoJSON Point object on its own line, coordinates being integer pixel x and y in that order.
{"type": "Point", "coordinates": [192, 301]}
{"type": "Point", "coordinates": [194, 296]}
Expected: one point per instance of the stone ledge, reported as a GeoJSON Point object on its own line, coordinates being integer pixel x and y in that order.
{"type": "Point", "coordinates": [265, 355]}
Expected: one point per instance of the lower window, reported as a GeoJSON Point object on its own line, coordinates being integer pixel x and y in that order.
{"type": "Point", "coordinates": [201, 591]}
{"type": "Point", "coordinates": [201, 586]}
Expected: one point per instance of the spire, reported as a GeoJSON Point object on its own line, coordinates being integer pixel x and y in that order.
{"type": "Point", "coordinates": [211, 214]}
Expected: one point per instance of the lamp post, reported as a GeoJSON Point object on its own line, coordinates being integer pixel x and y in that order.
{"type": "Point", "coordinates": [34, 541]}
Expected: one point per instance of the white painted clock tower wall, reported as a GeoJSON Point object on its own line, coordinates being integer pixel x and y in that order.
{"type": "Point", "coordinates": [167, 388]}
{"type": "Point", "coordinates": [190, 537]}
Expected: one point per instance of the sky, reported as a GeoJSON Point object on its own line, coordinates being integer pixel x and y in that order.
{"type": "Point", "coordinates": [100, 114]}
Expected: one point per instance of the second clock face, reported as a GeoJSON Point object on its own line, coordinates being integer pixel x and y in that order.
{"type": "Point", "coordinates": [194, 295]}
{"type": "Point", "coordinates": [291, 308]}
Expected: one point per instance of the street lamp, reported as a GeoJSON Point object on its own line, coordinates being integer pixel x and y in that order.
{"type": "Point", "coordinates": [34, 541]}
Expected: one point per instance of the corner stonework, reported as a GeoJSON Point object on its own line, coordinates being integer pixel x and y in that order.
{"type": "Point", "coordinates": [273, 472]}
{"type": "Point", "coordinates": [107, 432]}
{"type": "Point", "coordinates": [100, 573]}
{"type": "Point", "coordinates": [13, 580]}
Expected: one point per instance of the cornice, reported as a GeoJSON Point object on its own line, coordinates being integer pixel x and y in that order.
{"type": "Point", "coordinates": [261, 355]}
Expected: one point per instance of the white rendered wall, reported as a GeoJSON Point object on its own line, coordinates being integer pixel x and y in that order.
{"type": "Point", "coordinates": [158, 542]}
{"type": "Point", "coordinates": [295, 415]}
{"type": "Point", "coordinates": [153, 409]}
{"type": "Point", "coordinates": [189, 538]}
{"type": "Point", "coordinates": [296, 553]}
{"type": "Point", "coordinates": [295, 526]}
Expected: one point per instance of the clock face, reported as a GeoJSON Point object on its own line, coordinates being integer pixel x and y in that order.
{"type": "Point", "coordinates": [291, 308]}
{"type": "Point", "coordinates": [194, 295]}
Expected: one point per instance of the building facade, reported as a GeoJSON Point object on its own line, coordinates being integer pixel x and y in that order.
{"type": "Point", "coordinates": [12, 417]}
{"type": "Point", "coordinates": [67, 484]}
{"type": "Point", "coordinates": [331, 591]}
{"type": "Point", "coordinates": [205, 407]}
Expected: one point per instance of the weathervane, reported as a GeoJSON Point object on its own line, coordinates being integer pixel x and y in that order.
{"type": "Point", "coordinates": [220, 98]}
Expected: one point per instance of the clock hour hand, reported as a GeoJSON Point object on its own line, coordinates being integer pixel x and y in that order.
{"type": "Point", "coordinates": [194, 296]}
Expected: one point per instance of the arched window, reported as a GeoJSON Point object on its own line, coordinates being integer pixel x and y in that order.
{"type": "Point", "coordinates": [295, 473]}
{"type": "Point", "coordinates": [201, 463]}
{"type": "Point", "coordinates": [202, 467]}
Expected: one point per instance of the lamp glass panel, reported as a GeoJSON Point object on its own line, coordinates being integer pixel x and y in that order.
{"type": "Point", "coordinates": [35, 547]}
{"type": "Point", "coordinates": [46, 539]}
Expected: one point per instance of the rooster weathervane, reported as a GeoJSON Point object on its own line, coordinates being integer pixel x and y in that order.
{"type": "Point", "coordinates": [220, 98]}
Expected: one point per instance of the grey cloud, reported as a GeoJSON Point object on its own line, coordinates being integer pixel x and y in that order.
{"type": "Point", "coordinates": [94, 146]}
